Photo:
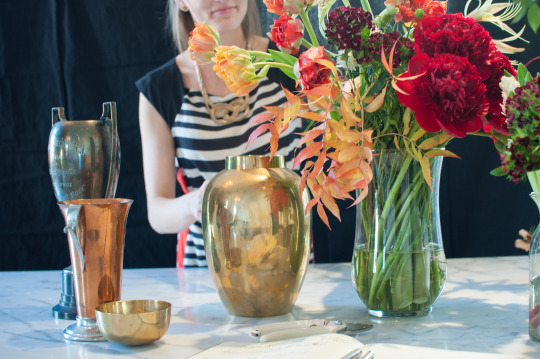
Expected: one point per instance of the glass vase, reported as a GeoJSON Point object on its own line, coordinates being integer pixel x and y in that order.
{"type": "Point", "coordinates": [534, 277]}
{"type": "Point", "coordinates": [398, 265]}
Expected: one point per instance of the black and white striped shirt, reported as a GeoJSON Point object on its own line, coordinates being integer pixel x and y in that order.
{"type": "Point", "coordinates": [202, 144]}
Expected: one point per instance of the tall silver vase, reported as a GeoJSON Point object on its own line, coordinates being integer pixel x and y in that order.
{"type": "Point", "coordinates": [84, 156]}
{"type": "Point", "coordinates": [84, 162]}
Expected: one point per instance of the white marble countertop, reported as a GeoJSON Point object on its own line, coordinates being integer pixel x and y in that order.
{"type": "Point", "coordinates": [482, 313]}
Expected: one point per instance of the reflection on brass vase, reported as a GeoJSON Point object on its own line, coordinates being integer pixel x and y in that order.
{"type": "Point", "coordinates": [257, 235]}
{"type": "Point", "coordinates": [96, 232]}
{"type": "Point", "coordinates": [398, 265]}
{"type": "Point", "coordinates": [84, 156]}
{"type": "Point", "coordinates": [534, 277]}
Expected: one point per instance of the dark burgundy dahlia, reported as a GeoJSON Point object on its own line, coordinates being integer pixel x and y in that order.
{"type": "Point", "coordinates": [498, 64]}
{"type": "Point", "coordinates": [377, 41]}
{"type": "Point", "coordinates": [523, 111]}
{"type": "Point", "coordinates": [346, 25]}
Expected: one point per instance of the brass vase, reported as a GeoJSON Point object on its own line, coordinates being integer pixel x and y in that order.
{"type": "Point", "coordinates": [257, 235]}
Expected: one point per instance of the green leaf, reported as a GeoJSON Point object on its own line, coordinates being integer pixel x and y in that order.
{"type": "Point", "coordinates": [497, 172]}
{"type": "Point", "coordinates": [406, 120]}
{"type": "Point", "coordinates": [418, 134]}
{"type": "Point", "coordinates": [522, 74]}
{"type": "Point", "coordinates": [396, 143]}
{"type": "Point", "coordinates": [323, 9]}
{"type": "Point", "coordinates": [426, 170]}
{"type": "Point", "coordinates": [444, 153]}
{"type": "Point", "coordinates": [533, 17]}
{"type": "Point", "coordinates": [335, 115]}
{"type": "Point", "coordinates": [282, 57]}
{"type": "Point", "coordinates": [289, 73]}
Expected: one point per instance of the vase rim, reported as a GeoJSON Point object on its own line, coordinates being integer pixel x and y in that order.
{"type": "Point", "coordinates": [536, 198]}
{"type": "Point", "coordinates": [246, 162]}
{"type": "Point", "coordinates": [379, 150]}
{"type": "Point", "coordinates": [95, 201]}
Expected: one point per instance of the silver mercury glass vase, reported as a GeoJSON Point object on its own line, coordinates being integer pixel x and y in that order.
{"type": "Point", "coordinates": [84, 156]}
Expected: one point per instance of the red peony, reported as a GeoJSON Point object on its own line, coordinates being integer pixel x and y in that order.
{"type": "Point", "coordinates": [450, 96]}
{"type": "Point", "coordinates": [463, 36]}
{"type": "Point", "coordinates": [287, 33]}
{"type": "Point", "coordinates": [311, 73]}
{"type": "Point", "coordinates": [496, 122]}
{"type": "Point", "coordinates": [457, 35]}
{"type": "Point", "coordinates": [498, 64]}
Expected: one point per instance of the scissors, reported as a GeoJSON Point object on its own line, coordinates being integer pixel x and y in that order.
{"type": "Point", "coordinates": [302, 328]}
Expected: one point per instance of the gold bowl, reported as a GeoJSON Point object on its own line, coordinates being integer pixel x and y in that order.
{"type": "Point", "coordinates": [133, 322]}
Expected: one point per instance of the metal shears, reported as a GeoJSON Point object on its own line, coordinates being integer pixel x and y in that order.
{"type": "Point", "coordinates": [302, 328]}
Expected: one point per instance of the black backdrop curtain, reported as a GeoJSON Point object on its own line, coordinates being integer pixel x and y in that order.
{"type": "Point", "coordinates": [78, 54]}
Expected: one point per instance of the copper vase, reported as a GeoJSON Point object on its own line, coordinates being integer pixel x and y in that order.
{"type": "Point", "coordinates": [96, 231]}
{"type": "Point", "coordinates": [257, 235]}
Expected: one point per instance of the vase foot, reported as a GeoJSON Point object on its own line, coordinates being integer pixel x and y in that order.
{"type": "Point", "coordinates": [84, 330]}
{"type": "Point", "coordinates": [534, 335]}
{"type": "Point", "coordinates": [385, 314]}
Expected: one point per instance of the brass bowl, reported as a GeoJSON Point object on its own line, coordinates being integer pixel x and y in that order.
{"type": "Point", "coordinates": [133, 322]}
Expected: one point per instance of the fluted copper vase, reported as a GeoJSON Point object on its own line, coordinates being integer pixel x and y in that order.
{"type": "Point", "coordinates": [96, 231]}
{"type": "Point", "coordinates": [257, 235]}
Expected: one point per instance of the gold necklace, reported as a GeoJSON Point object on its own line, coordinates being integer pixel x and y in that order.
{"type": "Point", "coordinates": [224, 113]}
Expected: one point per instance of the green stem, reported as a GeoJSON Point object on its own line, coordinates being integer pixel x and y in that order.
{"type": "Point", "coordinates": [260, 54]}
{"type": "Point", "coordinates": [404, 208]}
{"type": "Point", "coordinates": [420, 277]}
{"type": "Point", "coordinates": [307, 43]}
{"type": "Point", "coordinates": [395, 188]}
{"type": "Point", "coordinates": [402, 221]}
{"type": "Point", "coordinates": [534, 180]}
{"type": "Point", "coordinates": [307, 24]}
{"type": "Point", "coordinates": [498, 136]}
{"type": "Point", "coordinates": [390, 203]}
{"type": "Point", "coordinates": [273, 64]}
{"type": "Point", "coordinates": [402, 290]}
{"type": "Point", "coordinates": [366, 6]}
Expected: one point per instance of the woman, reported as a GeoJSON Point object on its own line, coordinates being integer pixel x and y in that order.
{"type": "Point", "coordinates": [183, 129]}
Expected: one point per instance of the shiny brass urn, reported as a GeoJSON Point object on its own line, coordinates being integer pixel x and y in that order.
{"type": "Point", "coordinates": [257, 237]}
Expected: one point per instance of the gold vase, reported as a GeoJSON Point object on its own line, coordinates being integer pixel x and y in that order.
{"type": "Point", "coordinates": [257, 235]}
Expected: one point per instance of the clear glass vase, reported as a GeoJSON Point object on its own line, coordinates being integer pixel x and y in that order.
{"type": "Point", "coordinates": [398, 265]}
{"type": "Point", "coordinates": [534, 277]}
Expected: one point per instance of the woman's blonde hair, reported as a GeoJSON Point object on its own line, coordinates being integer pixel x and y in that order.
{"type": "Point", "coordinates": [181, 23]}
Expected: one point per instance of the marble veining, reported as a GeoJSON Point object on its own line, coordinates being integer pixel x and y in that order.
{"type": "Point", "coordinates": [482, 313]}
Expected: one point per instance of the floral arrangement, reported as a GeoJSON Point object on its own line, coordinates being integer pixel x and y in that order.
{"type": "Point", "coordinates": [390, 89]}
{"type": "Point", "coordinates": [410, 78]}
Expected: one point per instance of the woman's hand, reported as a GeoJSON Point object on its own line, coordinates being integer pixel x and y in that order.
{"type": "Point", "coordinates": [197, 208]}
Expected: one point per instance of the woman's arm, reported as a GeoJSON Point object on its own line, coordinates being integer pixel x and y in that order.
{"type": "Point", "coordinates": [166, 212]}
